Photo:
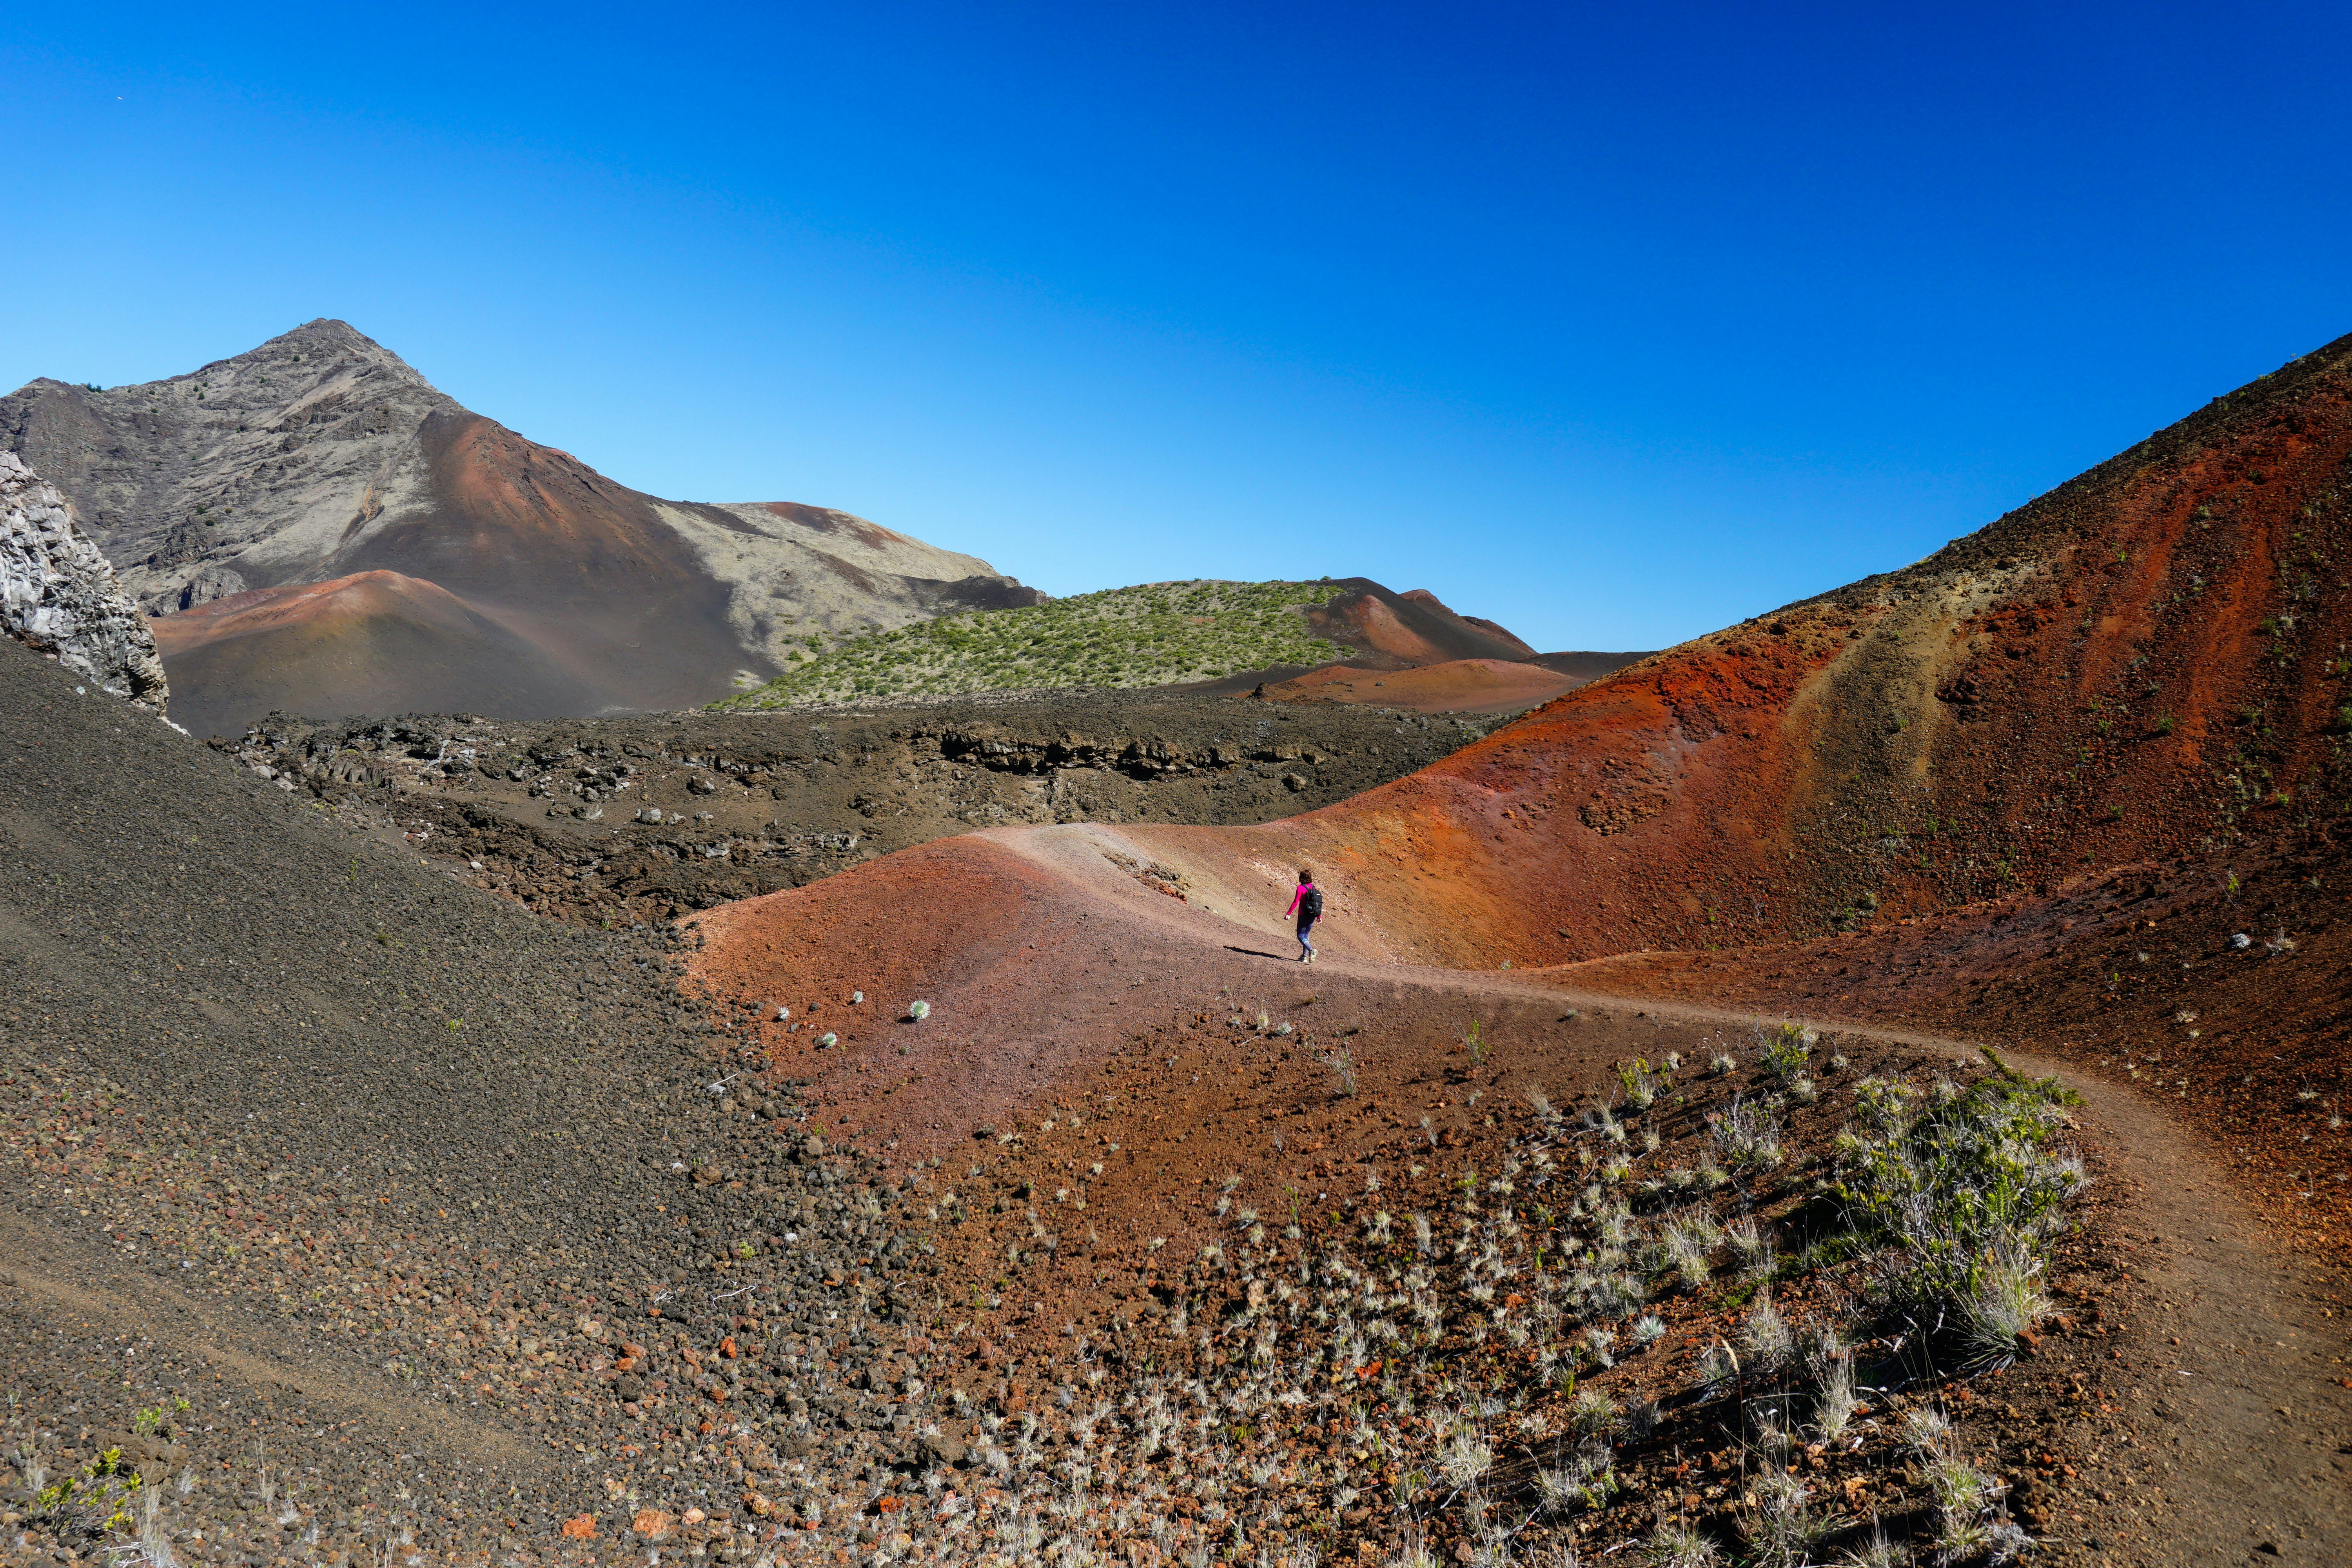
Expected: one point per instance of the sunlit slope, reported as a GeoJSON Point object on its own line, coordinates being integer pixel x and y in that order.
{"type": "Point", "coordinates": [1157, 634]}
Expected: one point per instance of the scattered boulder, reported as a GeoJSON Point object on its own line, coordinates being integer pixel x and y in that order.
{"type": "Point", "coordinates": [212, 582]}
{"type": "Point", "coordinates": [940, 1448]}
{"type": "Point", "coordinates": [58, 594]}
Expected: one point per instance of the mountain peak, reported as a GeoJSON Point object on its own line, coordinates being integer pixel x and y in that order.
{"type": "Point", "coordinates": [321, 455]}
{"type": "Point", "coordinates": [320, 349]}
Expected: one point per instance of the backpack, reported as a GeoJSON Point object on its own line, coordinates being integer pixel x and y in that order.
{"type": "Point", "coordinates": [1311, 906]}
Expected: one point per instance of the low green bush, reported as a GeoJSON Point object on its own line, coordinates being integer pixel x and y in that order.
{"type": "Point", "coordinates": [1965, 1189]}
{"type": "Point", "coordinates": [1158, 633]}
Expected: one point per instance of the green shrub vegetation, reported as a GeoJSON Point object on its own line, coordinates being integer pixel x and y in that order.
{"type": "Point", "coordinates": [1968, 1190]}
{"type": "Point", "coordinates": [1155, 634]}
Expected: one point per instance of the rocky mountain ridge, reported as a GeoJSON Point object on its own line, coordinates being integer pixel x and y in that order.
{"type": "Point", "coordinates": [322, 456]}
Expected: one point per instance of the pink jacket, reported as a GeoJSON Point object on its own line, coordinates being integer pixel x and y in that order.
{"type": "Point", "coordinates": [1295, 897]}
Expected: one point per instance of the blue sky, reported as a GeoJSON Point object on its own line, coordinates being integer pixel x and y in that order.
{"type": "Point", "coordinates": [1615, 324]}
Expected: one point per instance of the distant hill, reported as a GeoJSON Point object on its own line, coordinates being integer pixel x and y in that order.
{"type": "Point", "coordinates": [1157, 634]}
{"type": "Point", "coordinates": [321, 456]}
{"type": "Point", "coordinates": [1220, 637]}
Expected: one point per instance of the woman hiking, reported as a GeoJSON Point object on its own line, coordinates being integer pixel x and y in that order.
{"type": "Point", "coordinates": [1307, 902]}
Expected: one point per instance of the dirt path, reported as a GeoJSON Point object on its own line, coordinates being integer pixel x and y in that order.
{"type": "Point", "coordinates": [2238, 1440]}
{"type": "Point", "coordinates": [1054, 954]}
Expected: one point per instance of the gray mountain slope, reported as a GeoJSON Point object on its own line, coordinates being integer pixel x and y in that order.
{"type": "Point", "coordinates": [321, 455]}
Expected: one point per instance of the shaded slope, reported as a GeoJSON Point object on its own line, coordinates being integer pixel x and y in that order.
{"type": "Point", "coordinates": [371, 643]}
{"type": "Point", "coordinates": [368, 1164]}
{"type": "Point", "coordinates": [321, 455]}
{"type": "Point", "coordinates": [582, 567]}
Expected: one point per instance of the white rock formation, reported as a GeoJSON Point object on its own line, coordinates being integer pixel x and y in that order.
{"type": "Point", "coordinates": [58, 594]}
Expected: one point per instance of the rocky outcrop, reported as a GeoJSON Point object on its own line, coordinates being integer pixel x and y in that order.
{"type": "Point", "coordinates": [58, 594]}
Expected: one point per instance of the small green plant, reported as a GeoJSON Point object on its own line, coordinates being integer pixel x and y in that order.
{"type": "Point", "coordinates": [1342, 1063]}
{"type": "Point", "coordinates": [93, 1501]}
{"type": "Point", "coordinates": [1676, 1544]}
{"type": "Point", "coordinates": [2164, 725]}
{"type": "Point", "coordinates": [1748, 1133]}
{"type": "Point", "coordinates": [1476, 1039]}
{"type": "Point", "coordinates": [919, 1011]}
{"type": "Point", "coordinates": [1785, 1049]}
{"type": "Point", "coordinates": [147, 1423]}
{"type": "Point", "coordinates": [1960, 1186]}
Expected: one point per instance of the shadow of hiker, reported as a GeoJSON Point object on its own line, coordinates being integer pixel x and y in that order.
{"type": "Point", "coordinates": [1256, 953]}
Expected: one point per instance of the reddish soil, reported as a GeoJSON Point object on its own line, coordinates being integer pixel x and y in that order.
{"type": "Point", "coordinates": [1091, 1037]}
{"type": "Point", "coordinates": [2142, 670]}
{"type": "Point", "coordinates": [1457, 685]}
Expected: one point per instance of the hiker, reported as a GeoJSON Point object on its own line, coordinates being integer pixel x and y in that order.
{"type": "Point", "coordinates": [1308, 903]}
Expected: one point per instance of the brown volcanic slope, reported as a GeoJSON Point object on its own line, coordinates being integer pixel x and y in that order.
{"type": "Point", "coordinates": [1476, 666]}
{"type": "Point", "coordinates": [375, 642]}
{"type": "Point", "coordinates": [2147, 665]}
{"type": "Point", "coordinates": [1404, 631]}
{"type": "Point", "coordinates": [320, 455]}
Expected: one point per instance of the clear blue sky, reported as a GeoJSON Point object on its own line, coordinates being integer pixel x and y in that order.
{"type": "Point", "coordinates": [1615, 323]}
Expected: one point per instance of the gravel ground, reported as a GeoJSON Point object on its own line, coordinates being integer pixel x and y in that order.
{"type": "Point", "coordinates": [383, 1176]}
{"type": "Point", "coordinates": [369, 1218]}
